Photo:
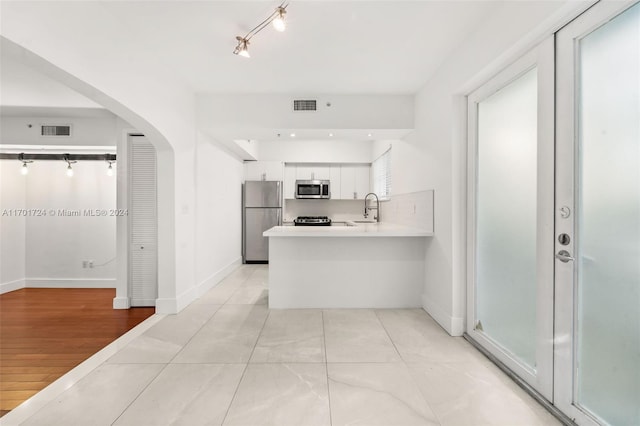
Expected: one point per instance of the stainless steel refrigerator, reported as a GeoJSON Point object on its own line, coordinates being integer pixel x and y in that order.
{"type": "Point", "coordinates": [261, 210]}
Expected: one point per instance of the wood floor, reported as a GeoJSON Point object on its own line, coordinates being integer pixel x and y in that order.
{"type": "Point", "coordinates": [46, 332]}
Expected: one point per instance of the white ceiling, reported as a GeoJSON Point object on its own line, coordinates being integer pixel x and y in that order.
{"type": "Point", "coordinates": [329, 47]}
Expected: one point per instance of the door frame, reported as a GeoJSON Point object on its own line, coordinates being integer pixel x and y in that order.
{"type": "Point", "coordinates": [566, 178]}
{"type": "Point", "coordinates": [542, 57]}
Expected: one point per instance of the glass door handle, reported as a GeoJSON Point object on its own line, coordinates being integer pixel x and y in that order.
{"type": "Point", "coordinates": [564, 256]}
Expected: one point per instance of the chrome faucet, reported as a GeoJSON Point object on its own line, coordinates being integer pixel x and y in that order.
{"type": "Point", "coordinates": [377, 207]}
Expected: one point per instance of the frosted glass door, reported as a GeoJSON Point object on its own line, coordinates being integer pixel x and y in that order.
{"type": "Point", "coordinates": [506, 217]}
{"type": "Point", "coordinates": [599, 299]}
{"type": "Point", "coordinates": [512, 212]}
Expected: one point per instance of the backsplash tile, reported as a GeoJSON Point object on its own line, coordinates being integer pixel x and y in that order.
{"type": "Point", "coordinates": [337, 210]}
{"type": "Point", "coordinates": [414, 209]}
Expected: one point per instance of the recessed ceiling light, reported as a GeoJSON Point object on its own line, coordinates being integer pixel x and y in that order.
{"type": "Point", "coordinates": [369, 135]}
{"type": "Point", "coordinates": [330, 135]}
{"type": "Point", "coordinates": [293, 135]}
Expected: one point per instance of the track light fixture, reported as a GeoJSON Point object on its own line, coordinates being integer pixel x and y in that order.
{"type": "Point", "coordinates": [24, 170]}
{"type": "Point", "coordinates": [242, 48]}
{"type": "Point", "coordinates": [25, 159]}
{"type": "Point", "coordinates": [276, 19]}
{"type": "Point", "coordinates": [110, 168]}
{"type": "Point", "coordinates": [69, 168]}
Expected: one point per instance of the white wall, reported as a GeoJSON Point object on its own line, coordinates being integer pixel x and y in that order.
{"type": "Point", "coordinates": [439, 133]}
{"type": "Point", "coordinates": [86, 131]}
{"type": "Point", "coordinates": [12, 226]}
{"type": "Point", "coordinates": [46, 249]}
{"type": "Point", "coordinates": [315, 151]}
{"type": "Point", "coordinates": [56, 244]}
{"type": "Point", "coordinates": [24, 86]}
{"type": "Point", "coordinates": [408, 159]}
{"type": "Point", "coordinates": [218, 214]}
{"type": "Point", "coordinates": [273, 111]}
{"type": "Point", "coordinates": [148, 97]}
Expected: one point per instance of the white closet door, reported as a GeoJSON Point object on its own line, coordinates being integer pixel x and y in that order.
{"type": "Point", "coordinates": [143, 222]}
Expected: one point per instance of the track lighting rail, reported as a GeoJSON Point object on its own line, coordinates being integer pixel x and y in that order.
{"type": "Point", "coordinates": [59, 157]}
{"type": "Point", "coordinates": [276, 18]}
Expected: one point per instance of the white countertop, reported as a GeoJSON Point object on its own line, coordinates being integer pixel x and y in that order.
{"type": "Point", "coordinates": [354, 230]}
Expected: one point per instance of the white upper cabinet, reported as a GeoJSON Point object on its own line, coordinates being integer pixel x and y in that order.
{"type": "Point", "coordinates": [313, 172]}
{"type": "Point", "coordinates": [263, 170]}
{"type": "Point", "coordinates": [348, 181]}
{"type": "Point", "coordinates": [354, 181]}
{"type": "Point", "coordinates": [335, 173]}
{"type": "Point", "coordinates": [289, 181]}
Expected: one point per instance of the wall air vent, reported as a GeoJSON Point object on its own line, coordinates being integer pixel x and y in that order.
{"type": "Point", "coordinates": [304, 105]}
{"type": "Point", "coordinates": [50, 130]}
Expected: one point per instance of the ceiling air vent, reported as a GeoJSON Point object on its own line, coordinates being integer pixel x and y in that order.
{"type": "Point", "coordinates": [304, 105]}
{"type": "Point", "coordinates": [48, 130]}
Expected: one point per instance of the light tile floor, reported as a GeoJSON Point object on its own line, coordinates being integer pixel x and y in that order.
{"type": "Point", "coordinates": [229, 360]}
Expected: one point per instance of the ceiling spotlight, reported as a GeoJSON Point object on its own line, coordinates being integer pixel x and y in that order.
{"type": "Point", "coordinates": [330, 135]}
{"type": "Point", "coordinates": [242, 49]}
{"type": "Point", "coordinates": [69, 168]}
{"type": "Point", "coordinates": [278, 22]}
{"type": "Point", "coordinates": [369, 135]}
{"type": "Point", "coordinates": [293, 135]}
{"type": "Point", "coordinates": [24, 170]}
{"type": "Point", "coordinates": [276, 18]}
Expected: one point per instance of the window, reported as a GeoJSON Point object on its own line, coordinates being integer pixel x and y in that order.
{"type": "Point", "coordinates": [381, 174]}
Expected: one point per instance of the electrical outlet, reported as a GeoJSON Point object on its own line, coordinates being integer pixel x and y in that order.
{"type": "Point", "coordinates": [91, 264]}
{"type": "Point", "coordinates": [85, 264]}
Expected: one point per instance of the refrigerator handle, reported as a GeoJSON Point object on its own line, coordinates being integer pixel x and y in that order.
{"type": "Point", "coordinates": [242, 227]}
{"type": "Point", "coordinates": [279, 215]}
{"type": "Point", "coordinates": [279, 186]}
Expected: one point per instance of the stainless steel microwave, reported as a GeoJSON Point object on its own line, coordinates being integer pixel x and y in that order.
{"type": "Point", "coordinates": [314, 189]}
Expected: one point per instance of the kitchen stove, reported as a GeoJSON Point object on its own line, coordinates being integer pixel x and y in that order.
{"type": "Point", "coordinates": [312, 221]}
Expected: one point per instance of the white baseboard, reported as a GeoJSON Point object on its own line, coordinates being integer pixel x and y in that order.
{"type": "Point", "coordinates": [167, 306]}
{"type": "Point", "coordinates": [175, 305]}
{"type": "Point", "coordinates": [452, 325]}
{"type": "Point", "coordinates": [12, 285]}
{"type": "Point", "coordinates": [214, 279]}
{"type": "Point", "coordinates": [121, 303]}
{"type": "Point", "coordinates": [183, 300]}
{"type": "Point", "coordinates": [70, 283]}
{"type": "Point", "coordinates": [171, 305]}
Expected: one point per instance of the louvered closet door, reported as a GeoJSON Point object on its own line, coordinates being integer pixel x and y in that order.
{"type": "Point", "coordinates": [143, 223]}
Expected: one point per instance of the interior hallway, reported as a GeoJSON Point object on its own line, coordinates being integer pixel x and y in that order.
{"type": "Point", "coordinates": [45, 332]}
{"type": "Point", "coordinates": [228, 359]}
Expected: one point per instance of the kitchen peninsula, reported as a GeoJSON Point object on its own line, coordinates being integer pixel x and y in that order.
{"type": "Point", "coordinates": [364, 265]}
